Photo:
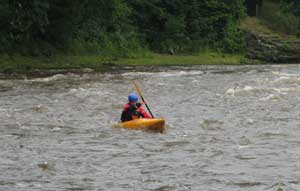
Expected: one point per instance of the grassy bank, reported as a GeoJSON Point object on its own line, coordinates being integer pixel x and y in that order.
{"type": "Point", "coordinates": [10, 64]}
{"type": "Point", "coordinates": [22, 63]}
{"type": "Point", "coordinates": [205, 58]}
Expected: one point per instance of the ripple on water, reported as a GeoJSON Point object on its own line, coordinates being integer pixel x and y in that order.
{"type": "Point", "coordinates": [247, 184]}
{"type": "Point", "coordinates": [271, 97]}
{"type": "Point", "coordinates": [244, 141]}
{"type": "Point", "coordinates": [280, 186]}
{"type": "Point", "coordinates": [255, 91]}
{"type": "Point", "coordinates": [271, 135]}
{"type": "Point", "coordinates": [176, 143]}
{"type": "Point", "coordinates": [212, 124]}
{"type": "Point", "coordinates": [287, 80]}
{"type": "Point", "coordinates": [6, 86]}
{"type": "Point", "coordinates": [164, 188]}
{"type": "Point", "coordinates": [246, 157]}
{"type": "Point", "coordinates": [56, 77]}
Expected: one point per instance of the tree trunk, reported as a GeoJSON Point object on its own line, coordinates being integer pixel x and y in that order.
{"type": "Point", "coordinates": [251, 7]}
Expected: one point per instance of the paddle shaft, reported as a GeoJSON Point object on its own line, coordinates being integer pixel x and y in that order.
{"type": "Point", "coordinates": [140, 94]}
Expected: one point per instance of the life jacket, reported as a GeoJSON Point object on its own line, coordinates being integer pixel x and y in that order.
{"type": "Point", "coordinates": [136, 114]}
{"type": "Point", "coordinates": [128, 111]}
{"type": "Point", "coordinates": [133, 112]}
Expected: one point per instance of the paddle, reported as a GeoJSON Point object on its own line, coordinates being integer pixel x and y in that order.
{"type": "Point", "coordinates": [140, 94]}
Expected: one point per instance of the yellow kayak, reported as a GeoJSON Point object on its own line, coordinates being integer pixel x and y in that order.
{"type": "Point", "coordinates": [156, 125]}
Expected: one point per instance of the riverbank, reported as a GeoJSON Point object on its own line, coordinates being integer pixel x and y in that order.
{"type": "Point", "coordinates": [204, 58]}
{"type": "Point", "coordinates": [269, 45]}
{"type": "Point", "coordinates": [263, 46]}
{"type": "Point", "coordinates": [60, 64]}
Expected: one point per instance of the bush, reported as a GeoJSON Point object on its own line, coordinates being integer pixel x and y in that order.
{"type": "Point", "coordinates": [279, 17]}
{"type": "Point", "coordinates": [109, 45]}
{"type": "Point", "coordinates": [117, 28]}
{"type": "Point", "coordinates": [234, 39]}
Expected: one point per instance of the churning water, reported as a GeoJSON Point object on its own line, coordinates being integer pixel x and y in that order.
{"type": "Point", "coordinates": [230, 128]}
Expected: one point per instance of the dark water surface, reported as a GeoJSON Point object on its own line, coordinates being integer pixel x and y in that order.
{"type": "Point", "coordinates": [230, 128]}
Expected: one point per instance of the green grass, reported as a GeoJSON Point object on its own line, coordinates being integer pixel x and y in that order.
{"type": "Point", "coordinates": [21, 64]}
{"type": "Point", "coordinates": [205, 58]}
{"type": "Point", "coordinates": [24, 63]}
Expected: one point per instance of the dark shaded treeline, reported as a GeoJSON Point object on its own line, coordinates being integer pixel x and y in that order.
{"type": "Point", "coordinates": [280, 15]}
{"type": "Point", "coordinates": [120, 28]}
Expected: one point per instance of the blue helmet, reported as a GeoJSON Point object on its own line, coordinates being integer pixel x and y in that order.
{"type": "Point", "coordinates": [133, 97]}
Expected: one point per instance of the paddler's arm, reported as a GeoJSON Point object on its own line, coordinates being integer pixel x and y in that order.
{"type": "Point", "coordinates": [144, 113]}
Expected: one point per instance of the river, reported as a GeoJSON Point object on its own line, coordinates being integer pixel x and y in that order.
{"type": "Point", "coordinates": [229, 128]}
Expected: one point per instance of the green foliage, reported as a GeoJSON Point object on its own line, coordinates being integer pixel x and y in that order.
{"type": "Point", "coordinates": [177, 26]}
{"type": "Point", "coordinates": [291, 8]}
{"type": "Point", "coordinates": [118, 28]}
{"type": "Point", "coordinates": [282, 16]}
{"type": "Point", "coordinates": [234, 41]}
{"type": "Point", "coordinates": [26, 25]}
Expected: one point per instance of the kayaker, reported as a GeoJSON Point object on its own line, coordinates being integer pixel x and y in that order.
{"type": "Point", "coordinates": [133, 109]}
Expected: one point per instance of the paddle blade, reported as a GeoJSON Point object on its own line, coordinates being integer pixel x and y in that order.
{"type": "Point", "coordinates": [137, 88]}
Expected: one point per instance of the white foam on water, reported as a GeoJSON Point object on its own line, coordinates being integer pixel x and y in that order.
{"type": "Point", "coordinates": [56, 129]}
{"type": "Point", "coordinates": [276, 73]}
{"type": "Point", "coordinates": [128, 74]}
{"type": "Point", "coordinates": [20, 185]}
{"type": "Point", "coordinates": [180, 73]}
{"type": "Point", "coordinates": [282, 78]}
{"type": "Point", "coordinates": [250, 121]}
{"type": "Point", "coordinates": [285, 91]}
{"type": "Point", "coordinates": [55, 77]}
{"type": "Point", "coordinates": [237, 90]}
{"type": "Point", "coordinates": [244, 146]}
{"type": "Point", "coordinates": [270, 97]}
{"type": "Point", "coordinates": [164, 74]}
{"type": "Point", "coordinates": [230, 92]}
{"type": "Point", "coordinates": [49, 79]}
{"type": "Point", "coordinates": [272, 91]}
{"type": "Point", "coordinates": [248, 88]}
{"type": "Point", "coordinates": [288, 80]}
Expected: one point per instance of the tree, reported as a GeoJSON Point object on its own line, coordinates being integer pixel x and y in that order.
{"type": "Point", "coordinates": [41, 27]}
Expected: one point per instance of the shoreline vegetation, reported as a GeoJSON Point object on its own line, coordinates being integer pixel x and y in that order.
{"type": "Point", "coordinates": [100, 35]}
{"type": "Point", "coordinates": [26, 65]}
{"type": "Point", "coordinates": [16, 64]}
